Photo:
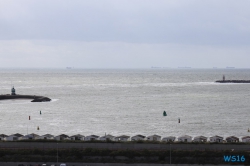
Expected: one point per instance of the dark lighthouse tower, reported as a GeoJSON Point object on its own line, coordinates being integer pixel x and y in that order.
{"type": "Point", "coordinates": [13, 91]}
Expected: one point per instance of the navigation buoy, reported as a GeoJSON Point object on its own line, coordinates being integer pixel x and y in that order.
{"type": "Point", "coordinates": [248, 130]}
{"type": "Point", "coordinates": [29, 117]}
{"type": "Point", "coordinates": [37, 127]}
{"type": "Point", "coordinates": [179, 120]}
{"type": "Point", "coordinates": [164, 113]}
{"type": "Point", "coordinates": [40, 112]}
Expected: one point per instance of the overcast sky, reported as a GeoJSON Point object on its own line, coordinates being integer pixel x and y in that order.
{"type": "Point", "coordinates": [124, 33]}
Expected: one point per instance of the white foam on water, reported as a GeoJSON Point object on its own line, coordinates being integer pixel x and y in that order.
{"type": "Point", "coordinates": [54, 100]}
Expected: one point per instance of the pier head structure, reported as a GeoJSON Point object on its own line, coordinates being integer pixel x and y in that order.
{"type": "Point", "coordinates": [13, 91]}
{"type": "Point", "coordinates": [33, 98]}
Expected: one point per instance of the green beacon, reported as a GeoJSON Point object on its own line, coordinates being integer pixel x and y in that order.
{"type": "Point", "coordinates": [164, 113]}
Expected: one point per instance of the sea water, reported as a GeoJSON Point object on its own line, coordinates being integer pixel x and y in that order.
{"type": "Point", "coordinates": [130, 102]}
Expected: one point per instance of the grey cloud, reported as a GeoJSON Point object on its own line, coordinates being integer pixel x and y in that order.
{"type": "Point", "coordinates": [194, 22]}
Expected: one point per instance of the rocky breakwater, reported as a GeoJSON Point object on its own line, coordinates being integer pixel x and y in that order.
{"type": "Point", "coordinates": [32, 97]}
{"type": "Point", "coordinates": [233, 81]}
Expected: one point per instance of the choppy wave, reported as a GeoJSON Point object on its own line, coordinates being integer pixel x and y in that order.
{"type": "Point", "coordinates": [128, 103]}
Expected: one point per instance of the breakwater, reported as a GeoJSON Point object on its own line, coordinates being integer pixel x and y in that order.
{"type": "Point", "coordinates": [32, 97]}
{"type": "Point", "coordinates": [233, 81]}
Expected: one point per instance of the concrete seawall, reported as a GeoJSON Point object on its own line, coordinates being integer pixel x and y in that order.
{"type": "Point", "coordinates": [49, 145]}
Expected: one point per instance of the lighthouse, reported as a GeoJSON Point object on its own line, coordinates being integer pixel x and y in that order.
{"type": "Point", "coordinates": [13, 91]}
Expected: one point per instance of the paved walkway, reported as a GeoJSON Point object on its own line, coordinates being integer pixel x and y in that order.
{"type": "Point", "coordinates": [49, 145]}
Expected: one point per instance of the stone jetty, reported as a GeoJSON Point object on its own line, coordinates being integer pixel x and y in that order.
{"type": "Point", "coordinates": [232, 81]}
{"type": "Point", "coordinates": [13, 95]}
